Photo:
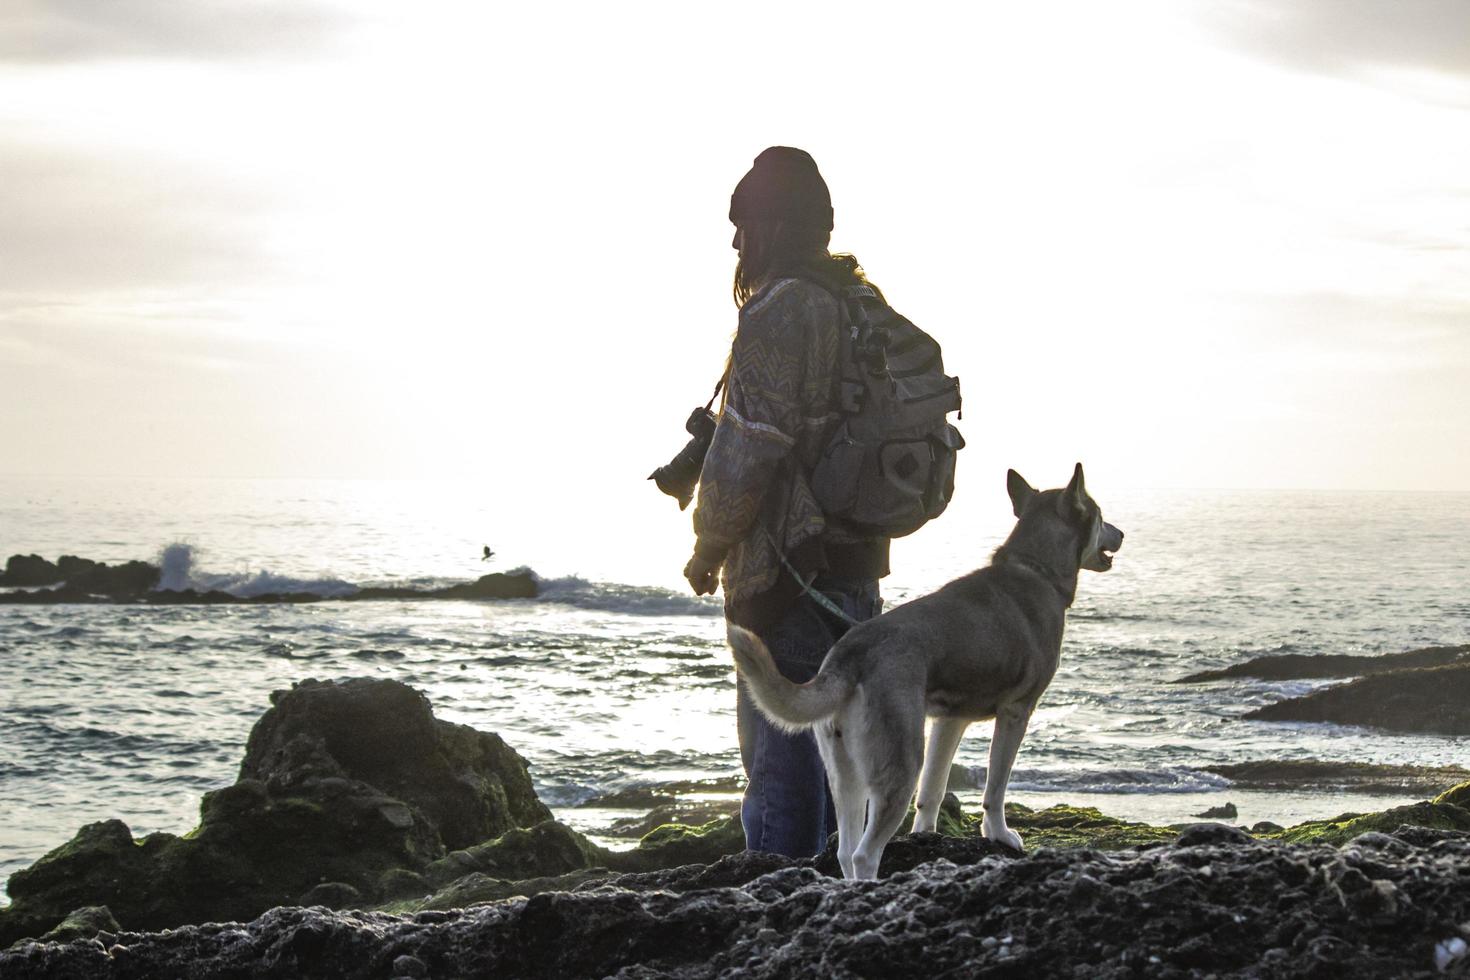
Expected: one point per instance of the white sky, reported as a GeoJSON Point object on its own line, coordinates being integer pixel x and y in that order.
{"type": "Point", "coordinates": [1191, 244]}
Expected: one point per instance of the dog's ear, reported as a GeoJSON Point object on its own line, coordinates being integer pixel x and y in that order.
{"type": "Point", "coordinates": [1021, 492]}
{"type": "Point", "coordinates": [1074, 498]}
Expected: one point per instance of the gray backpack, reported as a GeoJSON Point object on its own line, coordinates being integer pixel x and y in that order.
{"type": "Point", "coordinates": [889, 466]}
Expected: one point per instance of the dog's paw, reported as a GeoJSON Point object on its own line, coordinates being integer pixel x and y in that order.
{"type": "Point", "coordinates": [1004, 836]}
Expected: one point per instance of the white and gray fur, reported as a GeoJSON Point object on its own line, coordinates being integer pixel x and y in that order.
{"type": "Point", "coordinates": [984, 646]}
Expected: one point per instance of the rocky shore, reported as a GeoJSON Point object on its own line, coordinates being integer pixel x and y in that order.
{"type": "Point", "coordinates": [32, 580]}
{"type": "Point", "coordinates": [1425, 690]}
{"type": "Point", "coordinates": [366, 838]}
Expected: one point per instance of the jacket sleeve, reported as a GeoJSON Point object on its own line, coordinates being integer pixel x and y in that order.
{"type": "Point", "coordinates": [759, 423]}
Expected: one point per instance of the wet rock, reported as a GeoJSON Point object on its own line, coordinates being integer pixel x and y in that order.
{"type": "Point", "coordinates": [1296, 666]}
{"type": "Point", "coordinates": [29, 570]}
{"type": "Point", "coordinates": [496, 585]}
{"type": "Point", "coordinates": [333, 895]}
{"type": "Point", "coordinates": [673, 845]}
{"type": "Point", "coordinates": [1196, 834]}
{"type": "Point", "coordinates": [545, 850]}
{"type": "Point", "coordinates": [469, 785]}
{"type": "Point", "coordinates": [1265, 909]}
{"type": "Point", "coordinates": [342, 783]}
{"type": "Point", "coordinates": [1431, 815]}
{"type": "Point", "coordinates": [690, 813]}
{"type": "Point", "coordinates": [1429, 699]}
{"type": "Point", "coordinates": [1325, 775]}
{"type": "Point", "coordinates": [401, 883]}
{"type": "Point", "coordinates": [83, 923]}
{"type": "Point", "coordinates": [78, 580]}
{"type": "Point", "coordinates": [1226, 812]}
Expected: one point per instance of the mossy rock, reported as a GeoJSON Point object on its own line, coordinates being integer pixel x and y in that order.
{"type": "Point", "coordinates": [1341, 829]}
{"type": "Point", "coordinates": [674, 844]}
{"type": "Point", "coordinates": [476, 888]}
{"type": "Point", "coordinates": [1456, 795]}
{"type": "Point", "coordinates": [547, 849]}
{"type": "Point", "coordinates": [1081, 826]}
{"type": "Point", "coordinates": [342, 784]}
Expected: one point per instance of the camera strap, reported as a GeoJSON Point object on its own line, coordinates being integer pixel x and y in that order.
{"type": "Point", "coordinates": [806, 584]}
{"type": "Point", "coordinates": [719, 386]}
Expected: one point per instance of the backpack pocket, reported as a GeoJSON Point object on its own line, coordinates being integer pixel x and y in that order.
{"type": "Point", "coordinates": [946, 445]}
{"type": "Point", "coordinates": [836, 477]}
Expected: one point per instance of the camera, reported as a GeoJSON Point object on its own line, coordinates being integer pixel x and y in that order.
{"type": "Point", "coordinates": [679, 476]}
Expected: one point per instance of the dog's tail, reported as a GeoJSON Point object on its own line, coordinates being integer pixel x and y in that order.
{"type": "Point", "coordinates": [789, 706]}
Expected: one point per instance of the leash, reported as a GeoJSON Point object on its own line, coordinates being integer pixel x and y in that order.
{"type": "Point", "coordinates": [806, 584]}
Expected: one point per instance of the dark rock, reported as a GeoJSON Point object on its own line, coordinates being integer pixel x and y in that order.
{"type": "Point", "coordinates": [1435, 815]}
{"type": "Point", "coordinates": [545, 850]}
{"type": "Point", "coordinates": [399, 883]}
{"type": "Point", "coordinates": [410, 966]}
{"type": "Point", "coordinates": [1265, 909]}
{"type": "Point", "coordinates": [29, 570]}
{"type": "Point", "coordinates": [496, 585]}
{"type": "Point", "coordinates": [343, 782]}
{"type": "Point", "coordinates": [1429, 699]}
{"type": "Point", "coordinates": [82, 580]}
{"type": "Point", "coordinates": [1354, 777]}
{"type": "Point", "coordinates": [1266, 827]}
{"type": "Point", "coordinates": [332, 895]}
{"type": "Point", "coordinates": [963, 777]}
{"type": "Point", "coordinates": [1296, 666]}
{"type": "Point", "coordinates": [673, 845]}
{"type": "Point", "coordinates": [127, 580]}
{"type": "Point", "coordinates": [690, 813]}
{"type": "Point", "coordinates": [1196, 834]}
{"type": "Point", "coordinates": [83, 923]}
{"type": "Point", "coordinates": [1226, 812]}
{"type": "Point", "coordinates": [470, 785]}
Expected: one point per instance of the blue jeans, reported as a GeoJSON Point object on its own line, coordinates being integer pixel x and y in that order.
{"type": "Point", "coordinates": [787, 807]}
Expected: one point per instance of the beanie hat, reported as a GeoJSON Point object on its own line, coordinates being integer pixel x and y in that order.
{"type": "Point", "coordinates": [784, 185]}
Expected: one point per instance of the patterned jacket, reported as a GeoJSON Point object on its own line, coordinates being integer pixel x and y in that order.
{"type": "Point", "coordinates": [777, 417]}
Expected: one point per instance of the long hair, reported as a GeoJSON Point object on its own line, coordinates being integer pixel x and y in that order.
{"type": "Point", "coordinates": [778, 248]}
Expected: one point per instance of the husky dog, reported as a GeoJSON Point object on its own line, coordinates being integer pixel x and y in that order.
{"type": "Point", "coordinates": [983, 646]}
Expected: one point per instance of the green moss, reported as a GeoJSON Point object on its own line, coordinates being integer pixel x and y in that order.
{"type": "Point", "coordinates": [1082, 826]}
{"type": "Point", "coordinates": [676, 844]}
{"type": "Point", "coordinates": [1457, 795]}
{"type": "Point", "coordinates": [1343, 828]}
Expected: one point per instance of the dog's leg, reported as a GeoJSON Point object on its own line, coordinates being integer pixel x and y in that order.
{"type": "Point", "coordinates": [1010, 728]}
{"type": "Point", "coordinates": [944, 738]}
{"type": "Point", "coordinates": [888, 750]}
{"type": "Point", "coordinates": [849, 794]}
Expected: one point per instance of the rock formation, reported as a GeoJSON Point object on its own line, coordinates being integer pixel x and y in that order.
{"type": "Point", "coordinates": [1428, 699]}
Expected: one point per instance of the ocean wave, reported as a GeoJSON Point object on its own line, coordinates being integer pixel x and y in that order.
{"type": "Point", "coordinates": [178, 566]}
{"type": "Point", "coordinates": [640, 600]}
{"type": "Point", "coordinates": [1163, 779]}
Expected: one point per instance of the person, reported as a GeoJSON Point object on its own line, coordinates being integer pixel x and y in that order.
{"type": "Point", "coordinates": [756, 519]}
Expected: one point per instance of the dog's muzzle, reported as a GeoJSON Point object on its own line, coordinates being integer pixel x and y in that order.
{"type": "Point", "coordinates": [1108, 541]}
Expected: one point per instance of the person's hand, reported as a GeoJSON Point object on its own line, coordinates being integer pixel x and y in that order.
{"type": "Point", "coordinates": [703, 575]}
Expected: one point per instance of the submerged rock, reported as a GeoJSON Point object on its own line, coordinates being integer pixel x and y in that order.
{"type": "Point", "coordinates": [81, 580]}
{"type": "Point", "coordinates": [1224, 812]}
{"type": "Point", "coordinates": [1427, 699]}
{"type": "Point", "coordinates": [1297, 666]}
{"type": "Point", "coordinates": [342, 784]}
{"type": "Point", "coordinates": [1329, 776]}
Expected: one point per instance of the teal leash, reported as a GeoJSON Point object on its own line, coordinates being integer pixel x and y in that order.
{"type": "Point", "coordinates": [806, 584]}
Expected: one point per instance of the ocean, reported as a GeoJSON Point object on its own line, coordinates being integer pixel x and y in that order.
{"type": "Point", "coordinates": [616, 676]}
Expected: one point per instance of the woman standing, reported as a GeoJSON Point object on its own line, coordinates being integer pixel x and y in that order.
{"type": "Point", "coordinates": [756, 515]}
